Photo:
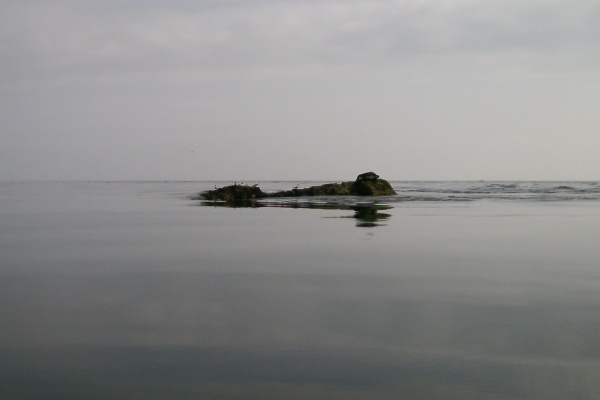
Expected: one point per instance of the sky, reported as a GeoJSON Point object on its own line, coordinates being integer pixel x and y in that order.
{"type": "Point", "coordinates": [299, 89]}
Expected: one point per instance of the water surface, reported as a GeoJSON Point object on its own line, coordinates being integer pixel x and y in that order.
{"type": "Point", "coordinates": [125, 290]}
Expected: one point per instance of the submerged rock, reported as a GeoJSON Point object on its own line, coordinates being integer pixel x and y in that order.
{"type": "Point", "coordinates": [367, 184]}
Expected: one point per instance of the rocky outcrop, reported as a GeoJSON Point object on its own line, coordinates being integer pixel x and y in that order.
{"type": "Point", "coordinates": [235, 192]}
{"type": "Point", "coordinates": [367, 184]}
{"type": "Point", "coordinates": [328, 189]}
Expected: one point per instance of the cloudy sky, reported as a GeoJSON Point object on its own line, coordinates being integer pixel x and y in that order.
{"type": "Point", "coordinates": [299, 89]}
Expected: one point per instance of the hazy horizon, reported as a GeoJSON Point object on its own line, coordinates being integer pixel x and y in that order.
{"type": "Point", "coordinates": [299, 90]}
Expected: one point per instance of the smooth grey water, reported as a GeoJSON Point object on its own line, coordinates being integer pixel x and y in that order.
{"type": "Point", "coordinates": [131, 290]}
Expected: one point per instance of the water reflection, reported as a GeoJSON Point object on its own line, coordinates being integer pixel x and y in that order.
{"type": "Point", "coordinates": [238, 336]}
{"type": "Point", "coordinates": [112, 296]}
{"type": "Point", "coordinates": [368, 215]}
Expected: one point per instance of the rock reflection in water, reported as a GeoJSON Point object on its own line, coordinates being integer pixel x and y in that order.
{"type": "Point", "coordinates": [368, 215]}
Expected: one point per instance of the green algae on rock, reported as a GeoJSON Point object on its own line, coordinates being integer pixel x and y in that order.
{"type": "Point", "coordinates": [367, 184]}
{"type": "Point", "coordinates": [328, 189]}
{"type": "Point", "coordinates": [235, 192]}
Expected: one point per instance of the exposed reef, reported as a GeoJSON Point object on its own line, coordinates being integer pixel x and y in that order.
{"type": "Point", "coordinates": [235, 192]}
{"type": "Point", "coordinates": [367, 184]}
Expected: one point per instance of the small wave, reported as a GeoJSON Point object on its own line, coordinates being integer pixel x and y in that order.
{"type": "Point", "coordinates": [564, 187]}
{"type": "Point", "coordinates": [495, 188]}
{"type": "Point", "coordinates": [503, 186]}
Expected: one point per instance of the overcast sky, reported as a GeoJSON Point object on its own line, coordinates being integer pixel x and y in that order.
{"type": "Point", "coordinates": [299, 89]}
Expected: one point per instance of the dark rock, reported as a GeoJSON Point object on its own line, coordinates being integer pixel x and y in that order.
{"type": "Point", "coordinates": [328, 189]}
{"type": "Point", "coordinates": [368, 177]}
{"type": "Point", "coordinates": [367, 184]}
{"type": "Point", "coordinates": [378, 187]}
{"type": "Point", "coordinates": [234, 193]}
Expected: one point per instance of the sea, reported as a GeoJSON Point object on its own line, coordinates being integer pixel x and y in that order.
{"type": "Point", "coordinates": [448, 290]}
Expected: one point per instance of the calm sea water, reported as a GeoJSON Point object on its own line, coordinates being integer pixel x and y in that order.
{"type": "Point", "coordinates": [450, 290]}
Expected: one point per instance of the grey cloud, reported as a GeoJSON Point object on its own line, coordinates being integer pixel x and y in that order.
{"type": "Point", "coordinates": [114, 76]}
{"type": "Point", "coordinates": [93, 38]}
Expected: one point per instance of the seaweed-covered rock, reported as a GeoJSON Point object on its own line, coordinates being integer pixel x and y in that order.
{"type": "Point", "coordinates": [377, 187]}
{"type": "Point", "coordinates": [367, 184]}
{"type": "Point", "coordinates": [367, 177]}
{"type": "Point", "coordinates": [235, 192]}
{"type": "Point", "coordinates": [328, 189]}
